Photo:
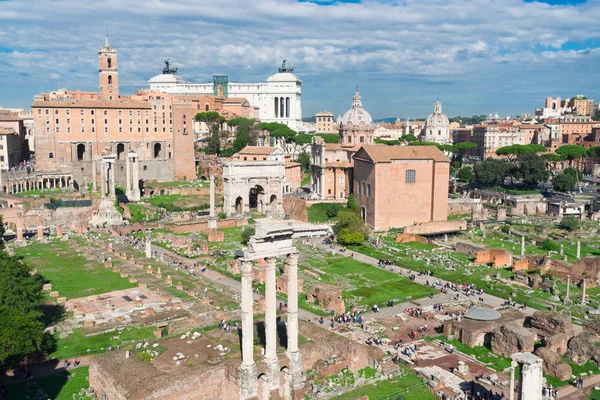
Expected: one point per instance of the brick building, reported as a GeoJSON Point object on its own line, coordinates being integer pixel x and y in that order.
{"type": "Point", "coordinates": [13, 146]}
{"type": "Point", "coordinates": [74, 129]}
{"type": "Point", "coordinates": [397, 186]}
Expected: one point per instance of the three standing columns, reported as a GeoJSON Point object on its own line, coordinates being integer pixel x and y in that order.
{"type": "Point", "coordinates": [248, 370]}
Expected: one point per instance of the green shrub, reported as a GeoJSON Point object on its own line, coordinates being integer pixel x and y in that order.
{"type": "Point", "coordinates": [349, 238]}
{"type": "Point", "coordinates": [222, 215]}
{"type": "Point", "coordinates": [352, 203]}
{"type": "Point", "coordinates": [246, 234]}
{"type": "Point", "coordinates": [569, 223]}
{"type": "Point", "coordinates": [550, 245]}
{"type": "Point", "coordinates": [332, 211]}
{"type": "Point", "coordinates": [145, 357]}
{"type": "Point", "coordinates": [506, 228]}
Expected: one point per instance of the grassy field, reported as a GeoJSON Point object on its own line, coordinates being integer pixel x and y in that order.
{"type": "Point", "coordinates": [407, 386]}
{"type": "Point", "coordinates": [177, 202]}
{"type": "Point", "coordinates": [39, 192]}
{"type": "Point", "coordinates": [481, 353]}
{"type": "Point", "coordinates": [69, 273]}
{"type": "Point", "coordinates": [318, 212]}
{"type": "Point", "coordinates": [78, 344]}
{"type": "Point", "coordinates": [363, 284]}
{"type": "Point", "coordinates": [140, 213]}
{"type": "Point", "coordinates": [57, 387]}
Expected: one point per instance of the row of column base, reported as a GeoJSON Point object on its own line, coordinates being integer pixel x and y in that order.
{"type": "Point", "coordinates": [249, 378]}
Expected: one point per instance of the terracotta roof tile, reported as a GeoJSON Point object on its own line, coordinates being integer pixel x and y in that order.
{"type": "Point", "coordinates": [385, 153]}
{"type": "Point", "coordinates": [257, 150]}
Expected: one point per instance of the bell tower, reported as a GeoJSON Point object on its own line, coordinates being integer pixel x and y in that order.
{"type": "Point", "coordinates": [109, 75]}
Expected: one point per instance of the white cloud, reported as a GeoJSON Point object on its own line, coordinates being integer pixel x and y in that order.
{"type": "Point", "coordinates": [421, 50]}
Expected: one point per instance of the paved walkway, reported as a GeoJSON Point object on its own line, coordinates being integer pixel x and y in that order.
{"type": "Point", "coordinates": [569, 392]}
{"type": "Point", "coordinates": [51, 367]}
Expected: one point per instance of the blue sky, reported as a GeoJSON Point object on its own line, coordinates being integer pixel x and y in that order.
{"type": "Point", "coordinates": [476, 56]}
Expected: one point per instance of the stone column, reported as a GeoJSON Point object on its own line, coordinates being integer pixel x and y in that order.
{"type": "Point", "coordinates": [104, 178]}
{"type": "Point", "coordinates": [271, 359]}
{"type": "Point", "coordinates": [522, 246]}
{"type": "Point", "coordinates": [293, 352]}
{"type": "Point", "coordinates": [135, 173]}
{"type": "Point", "coordinates": [40, 232]}
{"type": "Point", "coordinates": [578, 249]}
{"type": "Point", "coordinates": [128, 177]}
{"type": "Point", "coordinates": [19, 233]}
{"type": "Point", "coordinates": [248, 371]}
{"type": "Point", "coordinates": [511, 394]}
{"type": "Point", "coordinates": [59, 230]}
{"type": "Point", "coordinates": [568, 292]}
{"type": "Point", "coordinates": [148, 248]}
{"type": "Point", "coordinates": [584, 287]}
{"type": "Point", "coordinates": [112, 178]}
{"type": "Point", "coordinates": [212, 220]}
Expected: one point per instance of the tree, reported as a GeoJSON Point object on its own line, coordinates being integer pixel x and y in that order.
{"type": "Point", "coordinates": [536, 148]}
{"type": "Point", "coordinates": [332, 211]}
{"type": "Point", "coordinates": [2, 231]}
{"type": "Point", "coordinates": [570, 223]}
{"type": "Point", "coordinates": [329, 137]}
{"type": "Point", "coordinates": [304, 160]}
{"type": "Point", "coordinates": [491, 171]}
{"type": "Point", "coordinates": [459, 151]}
{"type": "Point", "coordinates": [550, 245]}
{"type": "Point", "coordinates": [247, 233]}
{"type": "Point", "coordinates": [350, 220]}
{"type": "Point", "coordinates": [352, 203]}
{"type": "Point", "coordinates": [409, 138]}
{"type": "Point", "coordinates": [465, 174]}
{"type": "Point", "coordinates": [572, 152]}
{"type": "Point", "coordinates": [575, 173]}
{"type": "Point", "coordinates": [563, 182]}
{"type": "Point", "coordinates": [532, 169]}
{"type": "Point", "coordinates": [552, 159]}
{"type": "Point", "coordinates": [513, 152]}
{"type": "Point", "coordinates": [22, 336]}
{"type": "Point", "coordinates": [214, 121]}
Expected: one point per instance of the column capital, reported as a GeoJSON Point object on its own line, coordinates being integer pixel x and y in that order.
{"type": "Point", "coordinates": [246, 267]}
{"type": "Point", "coordinates": [270, 262]}
{"type": "Point", "coordinates": [292, 258]}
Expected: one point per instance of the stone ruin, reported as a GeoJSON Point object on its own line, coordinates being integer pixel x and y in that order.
{"type": "Point", "coordinates": [328, 296]}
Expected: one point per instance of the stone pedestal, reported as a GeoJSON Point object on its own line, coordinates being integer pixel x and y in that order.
{"type": "Point", "coordinates": [578, 250]}
{"type": "Point", "coordinates": [584, 287]}
{"type": "Point", "coordinates": [522, 246]}
{"type": "Point", "coordinates": [212, 219]}
{"type": "Point", "coordinates": [40, 232]}
{"type": "Point", "coordinates": [148, 249]}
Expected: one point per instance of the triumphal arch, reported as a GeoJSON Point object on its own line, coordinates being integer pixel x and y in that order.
{"type": "Point", "coordinates": [255, 183]}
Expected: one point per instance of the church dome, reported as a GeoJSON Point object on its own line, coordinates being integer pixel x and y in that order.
{"type": "Point", "coordinates": [437, 119]}
{"type": "Point", "coordinates": [357, 114]}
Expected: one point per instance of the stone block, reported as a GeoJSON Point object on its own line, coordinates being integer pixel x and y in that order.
{"type": "Point", "coordinates": [149, 311]}
{"type": "Point", "coordinates": [142, 285]}
{"type": "Point", "coordinates": [116, 269]}
{"type": "Point", "coordinates": [180, 286]}
{"type": "Point", "coordinates": [509, 339]}
{"type": "Point", "coordinates": [165, 297]}
{"type": "Point", "coordinates": [108, 264]}
{"type": "Point", "coordinates": [47, 286]}
{"type": "Point", "coordinates": [132, 280]}
{"type": "Point", "coordinates": [215, 236]}
{"type": "Point", "coordinates": [61, 300]}
{"type": "Point", "coordinates": [88, 323]}
{"type": "Point", "coordinates": [124, 274]}
{"type": "Point", "coordinates": [54, 294]}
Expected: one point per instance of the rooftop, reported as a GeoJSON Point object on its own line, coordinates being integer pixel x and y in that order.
{"type": "Point", "coordinates": [483, 314]}
{"type": "Point", "coordinates": [385, 154]}
{"type": "Point", "coordinates": [257, 150]}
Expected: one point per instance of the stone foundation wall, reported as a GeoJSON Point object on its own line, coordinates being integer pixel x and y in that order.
{"type": "Point", "coordinates": [589, 265]}
{"type": "Point", "coordinates": [408, 238]}
{"type": "Point", "coordinates": [429, 228]}
{"type": "Point", "coordinates": [468, 249]}
{"type": "Point", "coordinates": [295, 208]}
{"type": "Point", "coordinates": [499, 258]}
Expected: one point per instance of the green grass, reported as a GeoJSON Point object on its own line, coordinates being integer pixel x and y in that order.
{"type": "Point", "coordinates": [363, 284]}
{"type": "Point", "coordinates": [69, 273]}
{"type": "Point", "coordinates": [142, 214]}
{"type": "Point", "coordinates": [395, 386]}
{"type": "Point", "coordinates": [578, 369]}
{"type": "Point", "coordinates": [38, 192]}
{"type": "Point", "coordinates": [305, 181]}
{"type": "Point", "coordinates": [77, 343]}
{"type": "Point", "coordinates": [318, 212]}
{"type": "Point", "coordinates": [595, 395]}
{"type": "Point", "coordinates": [481, 353]}
{"type": "Point", "coordinates": [58, 387]}
{"type": "Point", "coordinates": [177, 202]}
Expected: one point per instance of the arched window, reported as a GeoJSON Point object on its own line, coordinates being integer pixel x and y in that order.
{"type": "Point", "coordinates": [80, 151]}
{"type": "Point", "coordinates": [157, 150]}
{"type": "Point", "coordinates": [51, 155]}
{"type": "Point", "coordinates": [110, 79]}
{"type": "Point", "coordinates": [206, 107]}
{"type": "Point", "coordinates": [411, 176]}
{"type": "Point", "coordinates": [109, 62]}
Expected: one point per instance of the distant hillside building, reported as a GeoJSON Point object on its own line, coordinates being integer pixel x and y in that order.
{"type": "Point", "coordinates": [325, 123]}
{"type": "Point", "coordinates": [279, 99]}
